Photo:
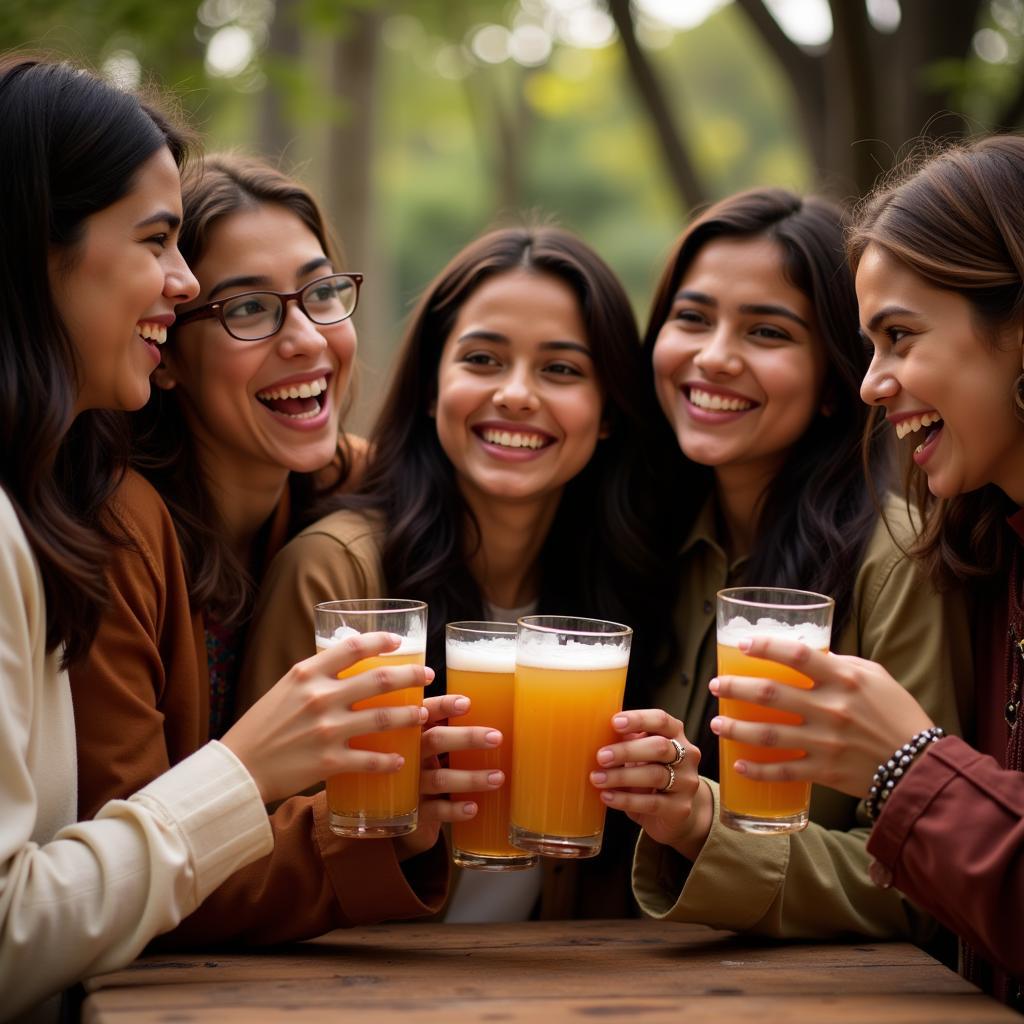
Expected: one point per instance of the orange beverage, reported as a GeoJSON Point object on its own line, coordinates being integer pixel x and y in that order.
{"type": "Point", "coordinates": [741, 795]}
{"type": "Point", "coordinates": [746, 613]}
{"type": "Point", "coordinates": [565, 697]}
{"type": "Point", "coordinates": [391, 795]}
{"type": "Point", "coordinates": [483, 669]}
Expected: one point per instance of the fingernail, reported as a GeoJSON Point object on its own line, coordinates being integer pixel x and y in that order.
{"type": "Point", "coordinates": [741, 767]}
{"type": "Point", "coordinates": [713, 686]}
{"type": "Point", "coordinates": [469, 808]}
{"type": "Point", "coordinates": [462, 705]}
{"type": "Point", "coordinates": [745, 644]}
{"type": "Point", "coordinates": [429, 673]}
{"type": "Point", "coordinates": [399, 761]}
{"type": "Point", "coordinates": [424, 714]}
{"type": "Point", "coordinates": [620, 721]}
{"type": "Point", "coordinates": [493, 738]}
{"type": "Point", "coordinates": [394, 638]}
{"type": "Point", "coordinates": [715, 724]}
{"type": "Point", "coordinates": [608, 798]}
{"type": "Point", "coordinates": [605, 756]}
{"type": "Point", "coordinates": [495, 778]}
{"type": "Point", "coordinates": [599, 778]}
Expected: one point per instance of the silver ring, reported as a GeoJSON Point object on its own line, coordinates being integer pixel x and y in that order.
{"type": "Point", "coordinates": [680, 754]}
{"type": "Point", "coordinates": [667, 788]}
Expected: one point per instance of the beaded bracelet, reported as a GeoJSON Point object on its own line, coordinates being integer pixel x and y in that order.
{"type": "Point", "coordinates": [890, 772]}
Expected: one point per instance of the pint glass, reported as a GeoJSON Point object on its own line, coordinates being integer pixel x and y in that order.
{"type": "Point", "coordinates": [481, 663]}
{"type": "Point", "coordinates": [765, 808]}
{"type": "Point", "coordinates": [570, 680]}
{"type": "Point", "coordinates": [365, 805]}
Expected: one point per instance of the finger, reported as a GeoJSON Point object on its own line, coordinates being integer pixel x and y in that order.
{"type": "Point", "coordinates": [337, 657]}
{"type": "Point", "coordinates": [442, 739]}
{"type": "Point", "coordinates": [649, 748]}
{"type": "Point", "coordinates": [816, 664]}
{"type": "Point", "coordinates": [642, 776]}
{"type": "Point", "coordinates": [640, 804]}
{"type": "Point", "coordinates": [452, 780]}
{"type": "Point", "coordinates": [799, 770]}
{"type": "Point", "coordinates": [369, 761]}
{"type": "Point", "coordinates": [436, 809]}
{"type": "Point", "coordinates": [451, 705]}
{"type": "Point", "coordinates": [759, 734]}
{"type": "Point", "coordinates": [383, 719]}
{"type": "Point", "coordinates": [768, 693]}
{"type": "Point", "coordinates": [384, 679]}
{"type": "Point", "coordinates": [651, 720]}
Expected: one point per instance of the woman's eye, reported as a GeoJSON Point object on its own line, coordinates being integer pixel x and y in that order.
{"type": "Point", "coordinates": [250, 307]}
{"type": "Point", "coordinates": [769, 332]}
{"type": "Point", "coordinates": [480, 359]}
{"type": "Point", "coordinates": [896, 334]}
{"type": "Point", "coordinates": [159, 239]}
{"type": "Point", "coordinates": [689, 316]}
{"type": "Point", "coordinates": [563, 370]}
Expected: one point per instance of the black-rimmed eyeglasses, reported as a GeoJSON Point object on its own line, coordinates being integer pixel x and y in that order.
{"type": "Point", "coordinates": [253, 316]}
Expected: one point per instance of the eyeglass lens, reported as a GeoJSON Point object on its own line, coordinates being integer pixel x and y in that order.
{"type": "Point", "coordinates": [257, 315]}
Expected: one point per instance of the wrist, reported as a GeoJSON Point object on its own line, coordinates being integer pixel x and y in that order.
{"type": "Point", "coordinates": [890, 772]}
{"type": "Point", "coordinates": [701, 818]}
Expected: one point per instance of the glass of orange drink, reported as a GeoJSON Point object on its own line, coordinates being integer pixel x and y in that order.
{"type": "Point", "coordinates": [480, 661]}
{"type": "Point", "coordinates": [570, 680]}
{"type": "Point", "coordinates": [765, 808]}
{"type": "Point", "coordinates": [366, 805]}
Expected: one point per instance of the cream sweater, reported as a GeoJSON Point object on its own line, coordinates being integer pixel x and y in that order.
{"type": "Point", "coordinates": [81, 899]}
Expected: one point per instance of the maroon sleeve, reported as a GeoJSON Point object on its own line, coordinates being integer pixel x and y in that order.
{"type": "Point", "coordinates": [952, 834]}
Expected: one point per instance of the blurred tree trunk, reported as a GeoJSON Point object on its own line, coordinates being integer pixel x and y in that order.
{"type": "Point", "coordinates": [277, 129]}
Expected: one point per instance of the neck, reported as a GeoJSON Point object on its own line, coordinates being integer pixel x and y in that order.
{"type": "Point", "coordinates": [740, 492]}
{"type": "Point", "coordinates": [506, 562]}
{"type": "Point", "coordinates": [244, 497]}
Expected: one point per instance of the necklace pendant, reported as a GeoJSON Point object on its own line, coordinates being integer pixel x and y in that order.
{"type": "Point", "coordinates": [1011, 713]}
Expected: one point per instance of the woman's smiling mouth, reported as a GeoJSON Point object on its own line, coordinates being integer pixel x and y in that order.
{"type": "Point", "coordinates": [300, 401]}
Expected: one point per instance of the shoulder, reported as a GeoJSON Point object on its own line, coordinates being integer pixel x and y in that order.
{"type": "Point", "coordinates": [356, 530]}
{"type": "Point", "coordinates": [139, 516]}
{"type": "Point", "coordinates": [16, 554]}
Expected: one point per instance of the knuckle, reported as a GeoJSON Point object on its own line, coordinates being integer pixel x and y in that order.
{"type": "Point", "coordinates": [382, 717]}
{"type": "Point", "coordinates": [767, 692]}
{"type": "Point", "coordinates": [437, 779]}
{"type": "Point", "coordinates": [381, 679]}
{"type": "Point", "coordinates": [302, 673]}
{"type": "Point", "coordinates": [769, 736]}
{"type": "Point", "coordinates": [353, 646]}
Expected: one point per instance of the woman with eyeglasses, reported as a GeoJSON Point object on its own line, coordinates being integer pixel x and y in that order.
{"type": "Point", "coordinates": [91, 274]}
{"type": "Point", "coordinates": [242, 430]}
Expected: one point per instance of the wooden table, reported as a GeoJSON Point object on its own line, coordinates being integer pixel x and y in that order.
{"type": "Point", "coordinates": [643, 972]}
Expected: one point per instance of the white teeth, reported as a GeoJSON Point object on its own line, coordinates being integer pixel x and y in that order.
{"type": "Point", "coordinates": [718, 403]}
{"type": "Point", "coordinates": [915, 423]}
{"type": "Point", "coordinates": [153, 332]}
{"type": "Point", "coordinates": [308, 389]}
{"type": "Point", "coordinates": [508, 439]}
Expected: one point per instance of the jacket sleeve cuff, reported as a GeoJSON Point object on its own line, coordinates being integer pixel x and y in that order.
{"type": "Point", "coordinates": [371, 884]}
{"type": "Point", "coordinates": [667, 885]}
{"type": "Point", "coordinates": [212, 800]}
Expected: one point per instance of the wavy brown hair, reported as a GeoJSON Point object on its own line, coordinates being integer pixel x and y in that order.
{"type": "Point", "coordinates": [817, 514]}
{"type": "Point", "coordinates": [73, 145]}
{"type": "Point", "coordinates": [956, 218]}
{"type": "Point", "coordinates": [601, 557]}
{"type": "Point", "coordinates": [164, 450]}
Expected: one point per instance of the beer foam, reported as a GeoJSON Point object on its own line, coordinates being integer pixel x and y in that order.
{"type": "Point", "coordinates": [489, 654]}
{"type": "Point", "coordinates": [543, 650]}
{"type": "Point", "coordinates": [412, 644]}
{"type": "Point", "coordinates": [740, 628]}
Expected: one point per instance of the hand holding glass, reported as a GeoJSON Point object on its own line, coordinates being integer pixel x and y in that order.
{"type": "Point", "coordinates": [364, 805]}
{"type": "Point", "coordinates": [765, 808]}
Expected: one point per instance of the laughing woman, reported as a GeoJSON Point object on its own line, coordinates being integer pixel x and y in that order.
{"type": "Point", "coordinates": [507, 475]}
{"type": "Point", "coordinates": [91, 273]}
{"type": "Point", "coordinates": [757, 361]}
{"type": "Point", "coordinates": [246, 409]}
{"type": "Point", "coordinates": [940, 280]}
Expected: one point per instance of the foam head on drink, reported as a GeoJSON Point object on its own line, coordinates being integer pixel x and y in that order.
{"type": "Point", "coordinates": [565, 697]}
{"type": "Point", "coordinates": [484, 671]}
{"type": "Point", "coordinates": [740, 795]}
{"type": "Point", "coordinates": [370, 794]}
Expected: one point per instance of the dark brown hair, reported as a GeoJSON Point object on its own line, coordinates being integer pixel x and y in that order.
{"type": "Point", "coordinates": [164, 449]}
{"type": "Point", "coordinates": [956, 218]}
{"type": "Point", "coordinates": [72, 146]}
{"type": "Point", "coordinates": [600, 558]}
{"type": "Point", "coordinates": [817, 514]}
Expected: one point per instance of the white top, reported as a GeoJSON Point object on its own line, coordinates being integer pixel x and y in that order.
{"type": "Point", "coordinates": [78, 900]}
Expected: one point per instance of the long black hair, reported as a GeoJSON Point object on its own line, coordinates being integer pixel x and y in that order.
{"type": "Point", "coordinates": [72, 146]}
{"type": "Point", "coordinates": [601, 555]}
{"type": "Point", "coordinates": [818, 513]}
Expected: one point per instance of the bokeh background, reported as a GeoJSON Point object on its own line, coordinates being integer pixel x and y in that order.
{"type": "Point", "coordinates": [420, 124]}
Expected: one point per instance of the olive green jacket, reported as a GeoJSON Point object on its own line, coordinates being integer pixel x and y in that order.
{"type": "Point", "coordinates": [813, 884]}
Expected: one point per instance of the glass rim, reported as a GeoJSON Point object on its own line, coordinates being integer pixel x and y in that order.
{"type": "Point", "coordinates": [482, 627]}
{"type": "Point", "coordinates": [819, 602]}
{"type": "Point", "coordinates": [370, 606]}
{"type": "Point", "coordinates": [541, 624]}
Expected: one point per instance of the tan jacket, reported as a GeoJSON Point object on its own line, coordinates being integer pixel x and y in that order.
{"type": "Point", "coordinates": [813, 884]}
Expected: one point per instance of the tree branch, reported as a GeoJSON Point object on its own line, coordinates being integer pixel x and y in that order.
{"type": "Point", "coordinates": [677, 160]}
{"type": "Point", "coordinates": [801, 67]}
